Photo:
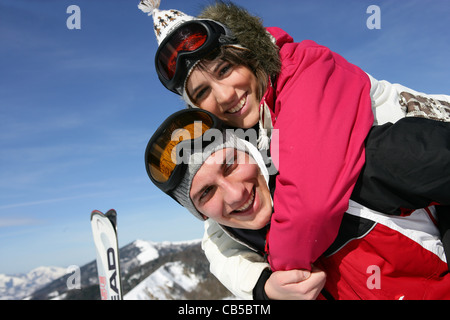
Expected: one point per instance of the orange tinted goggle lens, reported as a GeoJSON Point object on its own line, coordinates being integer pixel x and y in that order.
{"type": "Point", "coordinates": [162, 154]}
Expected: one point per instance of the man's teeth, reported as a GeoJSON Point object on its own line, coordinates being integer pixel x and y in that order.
{"type": "Point", "coordinates": [248, 203]}
{"type": "Point", "coordinates": [239, 106]}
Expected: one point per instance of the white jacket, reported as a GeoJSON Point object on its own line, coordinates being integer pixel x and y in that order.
{"type": "Point", "coordinates": [238, 267]}
{"type": "Point", "coordinates": [391, 102]}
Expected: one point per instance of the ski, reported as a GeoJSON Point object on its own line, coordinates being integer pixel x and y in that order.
{"type": "Point", "coordinates": [104, 229]}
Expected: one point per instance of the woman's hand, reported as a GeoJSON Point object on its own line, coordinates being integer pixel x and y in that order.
{"type": "Point", "coordinates": [295, 284]}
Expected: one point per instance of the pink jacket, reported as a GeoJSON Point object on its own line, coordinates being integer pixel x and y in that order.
{"type": "Point", "coordinates": [321, 110]}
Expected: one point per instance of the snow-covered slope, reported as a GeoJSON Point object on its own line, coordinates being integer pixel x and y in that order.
{"type": "Point", "coordinates": [148, 251]}
{"type": "Point", "coordinates": [19, 286]}
{"type": "Point", "coordinates": [179, 271]}
{"type": "Point", "coordinates": [169, 281]}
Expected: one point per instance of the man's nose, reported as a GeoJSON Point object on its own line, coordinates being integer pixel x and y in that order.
{"type": "Point", "coordinates": [233, 192]}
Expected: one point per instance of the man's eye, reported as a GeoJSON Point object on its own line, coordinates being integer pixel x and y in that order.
{"type": "Point", "coordinates": [200, 94]}
{"type": "Point", "coordinates": [205, 193]}
{"type": "Point", "coordinates": [231, 164]}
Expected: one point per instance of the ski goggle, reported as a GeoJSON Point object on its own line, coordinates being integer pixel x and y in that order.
{"type": "Point", "coordinates": [187, 44]}
{"type": "Point", "coordinates": [184, 130]}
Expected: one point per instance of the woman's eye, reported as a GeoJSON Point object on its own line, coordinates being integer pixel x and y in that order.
{"type": "Point", "coordinates": [200, 94]}
{"type": "Point", "coordinates": [225, 69]}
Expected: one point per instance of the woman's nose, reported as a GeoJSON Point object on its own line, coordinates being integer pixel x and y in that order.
{"type": "Point", "coordinates": [225, 96]}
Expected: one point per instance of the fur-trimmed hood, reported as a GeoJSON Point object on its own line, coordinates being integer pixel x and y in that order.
{"type": "Point", "coordinates": [249, 31]}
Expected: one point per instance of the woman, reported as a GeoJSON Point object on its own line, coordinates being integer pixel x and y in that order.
{"type": "Point", "coordinates": [247, 77]}
{"type": "Point", "coordinates": [224, 179]}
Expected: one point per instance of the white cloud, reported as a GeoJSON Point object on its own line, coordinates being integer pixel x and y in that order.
{"type": "Point", "coordinates": [14, 222]}
{"type": "Point", "coordinates": [47, 201]}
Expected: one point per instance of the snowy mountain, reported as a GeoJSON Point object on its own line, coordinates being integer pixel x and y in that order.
{"type": "Point", "coordinates": [149, 271]}
{"type": "Point", "coordinates": [169, 279]}
{"type": "Point", "coordinates": [16, 287]}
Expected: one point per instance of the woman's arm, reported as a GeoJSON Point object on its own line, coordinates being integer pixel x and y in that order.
{"type": "Point", "coordinates": [324, 114]}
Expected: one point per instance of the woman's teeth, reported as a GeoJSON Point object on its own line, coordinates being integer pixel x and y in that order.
{"type": "Point", "coordinates": [239, 106]}
{"type": "Point", "coordinates": [248, 203]}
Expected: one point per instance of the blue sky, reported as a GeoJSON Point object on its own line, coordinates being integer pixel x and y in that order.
{"type": "Point", "coordinates": [77, 108]}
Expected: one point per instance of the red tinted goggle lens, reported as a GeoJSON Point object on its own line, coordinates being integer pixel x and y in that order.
{"type": "Point", "coordinates": [186, 39]}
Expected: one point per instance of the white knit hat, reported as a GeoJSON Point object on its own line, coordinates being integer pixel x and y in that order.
{"type": "Point", "coordinates": [164, 21]}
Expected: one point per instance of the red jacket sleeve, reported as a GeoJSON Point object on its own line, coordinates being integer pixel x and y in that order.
{"type": "Point", "coordinates": [323, 115]}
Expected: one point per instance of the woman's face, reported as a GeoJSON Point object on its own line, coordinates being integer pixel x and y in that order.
{"type": "Point", "coordinates": [228, 91]}
{"type": "Point", "coordinates": [230, 189]}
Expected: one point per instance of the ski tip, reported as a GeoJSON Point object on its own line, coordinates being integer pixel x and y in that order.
{"type": "Point", "coordinates": [96, 212]}
{"type": "Point", "coordinates": [110, 214]}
